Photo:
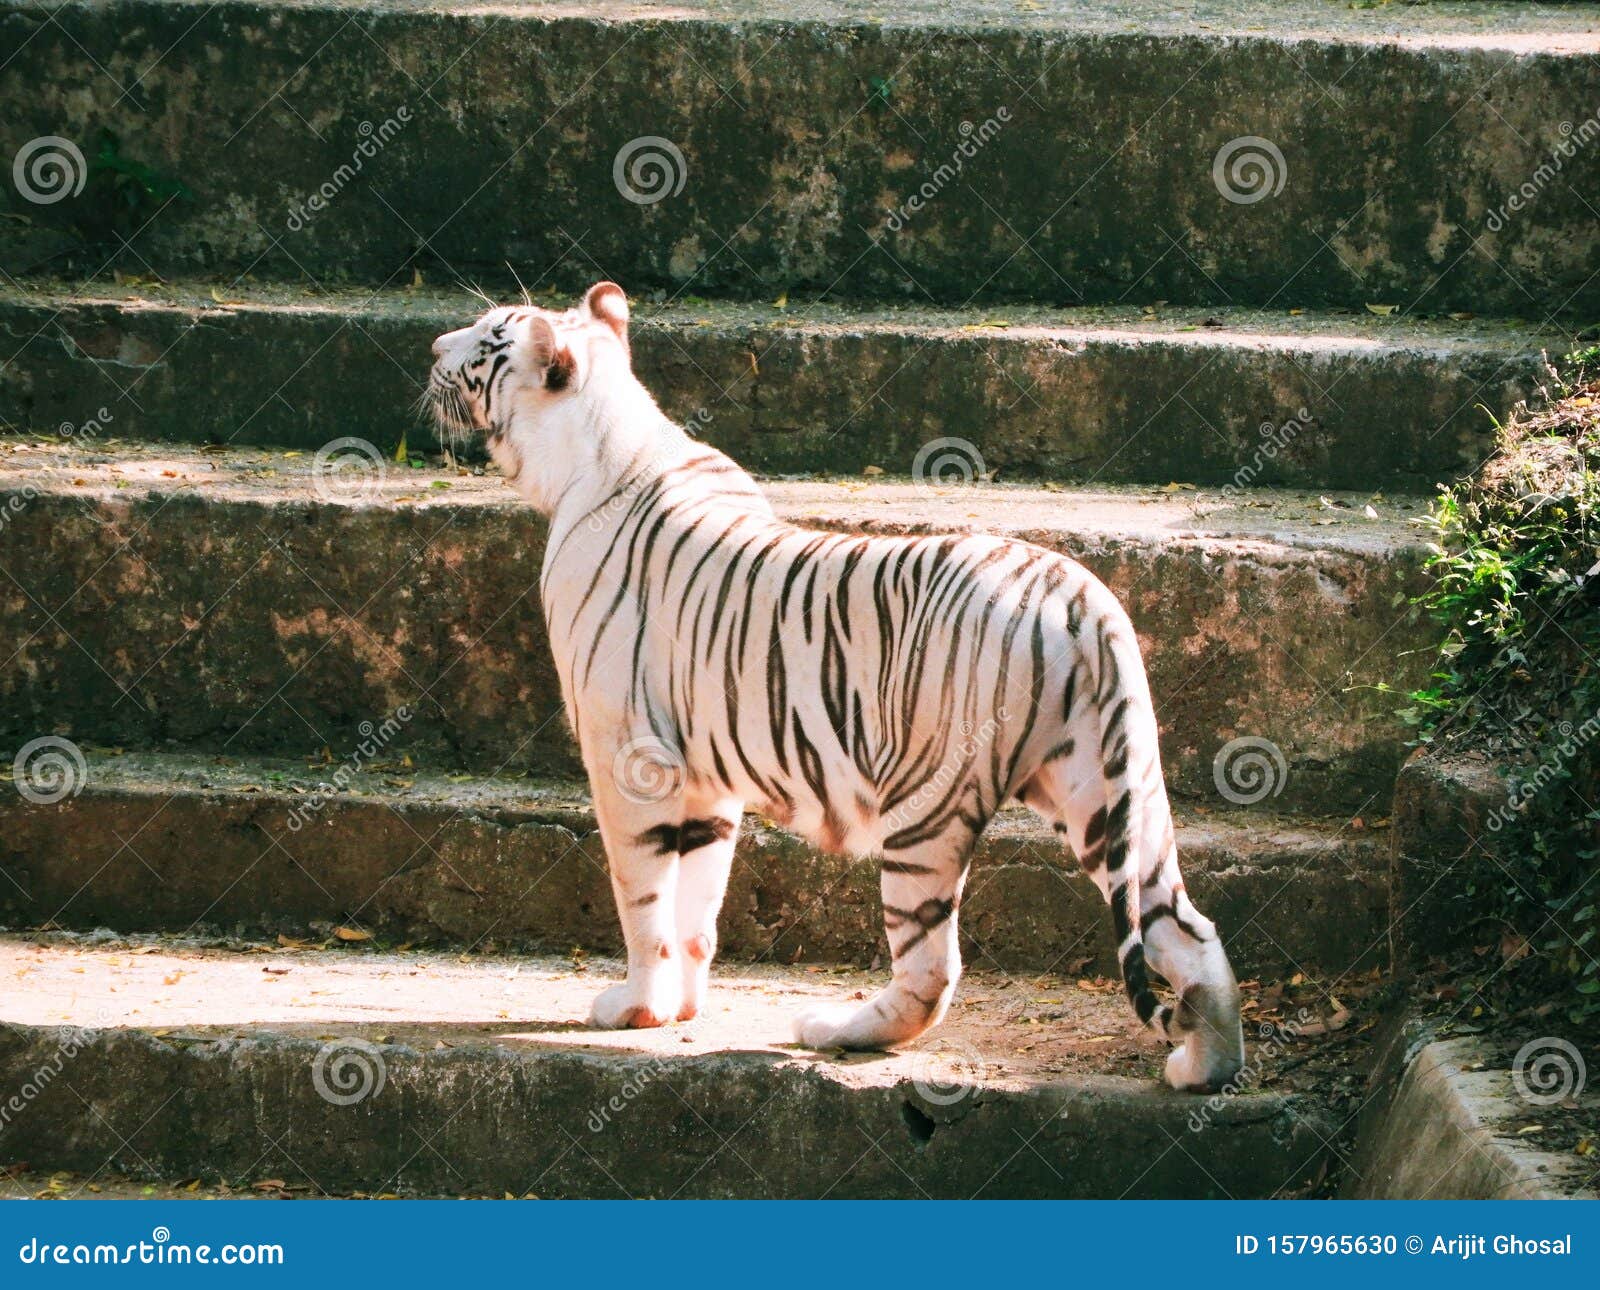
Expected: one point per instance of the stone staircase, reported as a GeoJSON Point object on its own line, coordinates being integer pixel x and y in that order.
{"type": "Point", "coordinates": [292, 670]}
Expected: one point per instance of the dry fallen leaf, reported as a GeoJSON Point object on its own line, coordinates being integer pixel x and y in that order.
{"type": "Point", "coordinates": [351, 934]}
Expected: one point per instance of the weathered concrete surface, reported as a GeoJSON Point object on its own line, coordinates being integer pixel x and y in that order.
{"type": "Point", "coordinates": [1442, 1121]}
{"type": "Point", "coordinates": [207, 1062]}
{"type": "Point", "coordinates": [1444, 840]}
{"type": "Point", "coordinates": [491, 134]}
{"type": "Point", "coordinates": [1111, 394]}
{"type": "Point", "coordinates": [211, 601]}
{"type": "Point", "coordinates": [164, 843]}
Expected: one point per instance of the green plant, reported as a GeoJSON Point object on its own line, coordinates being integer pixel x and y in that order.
{"type": "Point", "coordinates": [1515, 563]}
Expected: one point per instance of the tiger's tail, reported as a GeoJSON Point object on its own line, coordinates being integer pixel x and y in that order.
{"type": "Point", "coordinates": [1127, 719]}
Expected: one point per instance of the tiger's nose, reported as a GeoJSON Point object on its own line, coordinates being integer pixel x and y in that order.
{"type": "Point", "coordinates": [438, 347]}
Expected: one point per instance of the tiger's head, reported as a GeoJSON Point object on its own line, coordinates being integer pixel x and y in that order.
{"type": "Point", "coordinates": [530, 381]}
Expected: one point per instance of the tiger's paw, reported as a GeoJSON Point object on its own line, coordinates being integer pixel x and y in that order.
{"type": "Point", "coordinates": [826, 1026]}
{"type": "Point", "coordinates": [628, 1007]}
{"type": "Point", "coordinates": [1191, 1070]}
{"type": "Point", "coordinates": [854, 1026]}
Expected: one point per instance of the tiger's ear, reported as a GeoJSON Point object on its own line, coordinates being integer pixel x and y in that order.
{"type": "Point", "coordinates": [607, 303]}
{"type": "Point", "coordinates": [547, 355]}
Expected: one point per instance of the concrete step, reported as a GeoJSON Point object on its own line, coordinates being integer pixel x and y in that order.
{"type": "Point", "coordinates": [1235, 150]}
{"type": "Point", "coordinates": [388, 1072]}
{"type": "Point", "coordinates": [412, 855]}
{"type": "Point", "coordinates": [249, 602]}
{"type": "Point", "coordinates": [1219, 396]}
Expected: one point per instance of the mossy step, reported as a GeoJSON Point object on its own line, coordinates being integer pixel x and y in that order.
{"type": "Point", "coordinates": [239, 601]}
{"type": "Point", "coordinates": [1112, 394]}
{"type": "Point", "coordinates": [165, 842]}
{"type": "Point", "coordinates": [388, 1072]}
{"type": "Point", "coordinates": [1226, 152]}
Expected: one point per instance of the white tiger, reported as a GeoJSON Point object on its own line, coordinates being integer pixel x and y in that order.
{"type": "Point", "coordinates": [880, 696]}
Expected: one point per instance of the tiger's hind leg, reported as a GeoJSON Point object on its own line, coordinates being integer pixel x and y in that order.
{"type": "Point", "coordinates": [1180, 943]}
{"type": "Point", "coordinates": [706, 840]}
{"type": "Point", "coordinates": [921, 881]}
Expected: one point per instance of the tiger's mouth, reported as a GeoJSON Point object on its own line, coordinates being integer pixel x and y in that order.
{"type": "Point", "coordinates": [449, 408]}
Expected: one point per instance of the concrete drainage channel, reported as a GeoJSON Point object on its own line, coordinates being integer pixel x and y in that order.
{"type": "Point", "coordinates": [304, 889]}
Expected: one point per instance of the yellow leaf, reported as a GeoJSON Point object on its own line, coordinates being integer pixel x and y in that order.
{"type": "Point", "coordinates": [1383, 311]}
{"type": "Point", "coordinates": [872, 471]}
{"type": "Point", "coordinates": [400, 453]}
{"type": "Point", "coordinates": [351, 934]}
{"type": "Point", "coordinates": [782, 302]}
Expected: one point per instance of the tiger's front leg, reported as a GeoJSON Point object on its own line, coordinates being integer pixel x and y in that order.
{"type": "Point", "coordinates": [706, 839]}
{"type": "Point", "coordinates": [641, 841]}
